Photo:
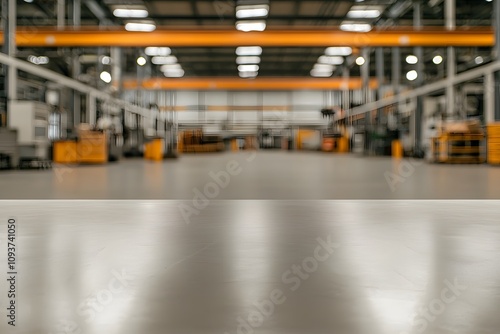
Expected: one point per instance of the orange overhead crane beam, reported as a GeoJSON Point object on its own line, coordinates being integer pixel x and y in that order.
{"type": "Point", "coordinates": [429, 37]}
{"type": "Point", "coordinates": [262, 83]}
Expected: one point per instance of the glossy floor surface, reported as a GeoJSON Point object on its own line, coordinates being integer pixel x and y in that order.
{"type": "Point", "coordinates": [260, 175]}
{"type": "Point", "coordinates": [280, 267]}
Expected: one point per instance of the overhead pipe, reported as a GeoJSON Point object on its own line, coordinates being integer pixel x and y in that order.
{"type": "Point", "coordinates": [409, 37]}
{"type": "Point", "coordinates": [235, 83]}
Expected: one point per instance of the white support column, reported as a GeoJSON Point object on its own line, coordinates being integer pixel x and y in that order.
{"type": "Point", "coordinates": [91, 108]}
{"type": "Point", "coordinates": [12, 24]}
{"type": "Point", "coordinates": [116, 69]}
{"type": "Point", "coordinates": [61, 14]}
{"type": "Point", "coordinates": [489, 98]}
{"type": "Point", "coordinates": [450, 16]}
{"type": "Point", "coordinates": [496, 52]}
{"type": "Point", "coordinates": [11, 51]}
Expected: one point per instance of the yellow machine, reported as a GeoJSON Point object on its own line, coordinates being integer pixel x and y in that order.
{"type": "Point", "coordinates": [494, 143]}
{"type": "Point", "coordinates": [153, 150]}
{"type": "Point", "coordinates": [91, 148]}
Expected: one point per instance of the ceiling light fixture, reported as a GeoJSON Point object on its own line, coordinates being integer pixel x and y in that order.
{"type": "Point", "coordinates": [248, 51]}
{"type": "Point", "coordinates": [156, 51]}
{"type": "Point", "coordinates": [130, 13]}
{"type": "Point", "coordinates": [141, 61]}
{"type": "Point", "coordinates": [141, 27]}
{"type": "Point", "coordinates": [338, 51]}
{"type": "Point", "coordinates": [437, 59]}
{"type": "Point", "coordinates": [248, 26]}
{"type": "Point", "coordinates": [360, 61]}
{"type": "Point", "coordinates": [248, 74]}
{"type": "Point", "coordinates": [248, 68]}
{"type": "Point", "coordinates": [105, 76]}
{"type": "Point", "coordinates": [244, 12]}
{"type": "Point", "coordinates": [163, 60]}
{"type": "Point", "coordinates": [332, 60]}
{"type": "Point", "coordinates": [324, 67]}
{"type": "Point", "coordinates": [248, 60]}
{"type": "Point", "coordinates": [355, 27]}
{"type": "Point", "coordinates": [168, 67]}
{"type": "Point", "coordinates": [363, 13]}
{"type": "Point", "coordinates": [320, 74]}
{"type": "Point", "coordinates": [42, 60]}
{"type": "Point", "coordinates": [174, 73]}
{"type": "Point", "coordinates": [412, 60]}
{"type": "Point", "coordinates": [479, 60]}
{"type": "Point", "coordinates": [412, 75]}
{"type": "Point", "coordinates": [105, 60]}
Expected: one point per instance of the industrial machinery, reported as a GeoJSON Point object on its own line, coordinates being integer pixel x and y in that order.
{"type": "Point", "coordinates": [9, 153]}
{"type": "Point", "coordinates": [31, 120]}
{"type": "Point", "coordinates": [196, 141]}
{"type": "Point", "coordinates": [133, 135]}
{"type": "Point", "coordinates": [459, 142]}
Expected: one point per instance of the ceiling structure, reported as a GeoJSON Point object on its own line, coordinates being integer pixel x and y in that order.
{"type": "Point", "coordinates": [283, 14]}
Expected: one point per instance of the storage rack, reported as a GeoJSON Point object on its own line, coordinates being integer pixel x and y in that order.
{"type": "Point", "coordinates": [462, 148]}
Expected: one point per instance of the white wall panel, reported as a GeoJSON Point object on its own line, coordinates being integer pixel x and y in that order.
{"type": "Point", "coordinates": [272, 98]}
{"type": "Point", "coordinates": [246, 98]}
{"type": "Point", "coordinates": [216, 98]}
{"type": "Point", "coordinates": [186, 98]}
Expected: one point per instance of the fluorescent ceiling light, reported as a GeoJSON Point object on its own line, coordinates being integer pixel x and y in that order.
{"type": "Point", "coordinates": [141, 61]}
{"type": "Point", "coordinates": [156, 51]}
{"type": "Point", "coordinates": [323, 67]}
{"type": "Point", "coordinates": [105, 76]}
{"type": "Point", "coordinates": [363, 13]}
{"type": "Point", "coordinates": [130, 13]}
{"type": "Point", "coordinates": [250, 74]}
{"type": "Point", "coordinates": [356, 27]}
{"type": "Point", "coordinates": [437, 59]}
{"type": "Point", "coordinates": [248, 60]}
{"type": "Point", "coordinates": [168, 67]}
{"type": "Point", "coordinates": [360, 61]}
{"type": "Point", "coordinates": [248, 68]}
{"type": "Point", "coordinates": [249, 51]}
{"type": "Point", "coordinates": [174, 73]}
{"type": "Point", "coordinates": [321, 74]}
{"type": "Point", "coordinates": [338, 51]}
{"type": "Point", "coordinates": [332, 60]}
{"type": "Point", "coordinates": [42, 60]}
{"type": "Point", "coordinates": [244, 12]}
{"type": "Point", "coordinates": [411, 59]}
{"type": "Point", "coordinates": [247, 26]}
{"type": "Point", "coordinates": [412, 75]}
{"type": "Point", "coordinates": [163, 60]}
{"type": "Point", "coordinates": [137, 26]}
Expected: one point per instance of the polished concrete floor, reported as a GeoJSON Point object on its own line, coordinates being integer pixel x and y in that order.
{"type": "Point", "coordinates": [263, 175]}
{"type": "Point", "coordinates": [280, 267]}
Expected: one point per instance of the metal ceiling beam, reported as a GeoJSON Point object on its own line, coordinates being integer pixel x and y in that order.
{"type": "Point", "coordinates": [472, 36]}
{"type": "Point", "coordinates": [234, 83]}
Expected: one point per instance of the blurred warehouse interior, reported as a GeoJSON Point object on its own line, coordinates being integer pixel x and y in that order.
{"type": "Point", "coordinates": [98, 81]}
